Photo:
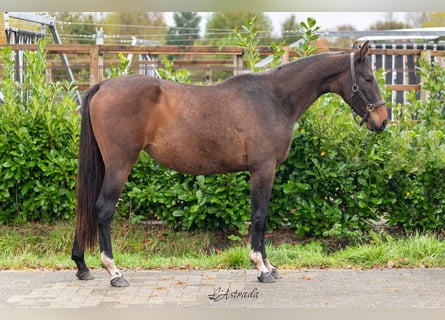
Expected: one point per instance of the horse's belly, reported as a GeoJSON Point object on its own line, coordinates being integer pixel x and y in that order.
{"type": "Point", "coordinates": [197, 159]}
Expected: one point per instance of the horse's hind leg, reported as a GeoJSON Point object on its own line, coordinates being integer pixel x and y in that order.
{"type": "Point", "coordinates": [111, 189]}
{"type": "Point", "coordinates": [83, 273]}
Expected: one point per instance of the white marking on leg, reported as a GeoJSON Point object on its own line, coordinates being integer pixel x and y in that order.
{"type": "Point", "coordinates": [268, 265]}
{"type": "Point", "coordinates": [257, 259]}
{"type": "Point", "coordinates": [108, 264]}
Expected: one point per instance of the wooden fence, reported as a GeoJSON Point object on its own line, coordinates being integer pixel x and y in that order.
{"type": "Point", "coordinates": [90, 61]}
{"type": "Point", "coordinates": [95, 58]}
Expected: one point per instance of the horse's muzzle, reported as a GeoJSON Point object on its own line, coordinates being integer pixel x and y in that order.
{"type": "Point", "coordinates": [375, 127]}
{"type": "Point", "coordinates": [377, 118]}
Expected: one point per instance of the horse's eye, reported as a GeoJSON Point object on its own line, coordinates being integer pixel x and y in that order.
{"type": "Point", "coordinates": [368, 79]}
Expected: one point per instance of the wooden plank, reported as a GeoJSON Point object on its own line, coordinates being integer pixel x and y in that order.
{"type": "Point", "coordinates": [53, 48]}
{"type": "Point", "coordinates": [405, 52]}
{"type": "Point", "coordinates": [155, 50]}
{"type": "Point", "coordinates": [201, 62]}
{"type": "Point", "coordinates": [403, 87]}
{"type": "Point", "coordinates": [209, 50]}
{"type": "Point", "coordinates": [82, 85]}
{"type": "Point", "coordinates": [393, 52]}
{"type": "Point", "coordinates": [68, 48]}
{"type": "Point", "coordinates": [179, 50]}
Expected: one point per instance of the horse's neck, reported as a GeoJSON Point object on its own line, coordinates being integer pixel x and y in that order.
{"type": "Point", "coordinates": [302, 82]}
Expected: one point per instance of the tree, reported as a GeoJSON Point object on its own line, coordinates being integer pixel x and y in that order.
{"type": "Point", "coordinates": [220, 26]}
{"type": "Point", "coordinates": [389, 23]}
{"type": "Point", "coordinates": [186, 29]}
{"type": "Point", "coordinates": [425, 19]}
{"type": "Point", "coordinates": [76, 27]}
{"type": "Point", "coordinates": [290, 29]}
{"type": "Point", "coordinates": [416, 19]}
{"type": "Point", "coordinates": [342, 42]}
{"type": "Point", "coordinates": [434, 19]}
{"type": "Point", "coordinates": [124, 25]}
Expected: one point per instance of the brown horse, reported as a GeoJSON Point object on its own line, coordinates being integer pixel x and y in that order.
{"type": "Point", "coordinates": [243, 123]}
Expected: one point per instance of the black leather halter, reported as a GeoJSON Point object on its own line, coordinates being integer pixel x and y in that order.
{"type": "Point", "coordinates": [370, 107]}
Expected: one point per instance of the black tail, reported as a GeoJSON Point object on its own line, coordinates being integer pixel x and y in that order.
{"type": "Point", "coordinates": [90, 177]}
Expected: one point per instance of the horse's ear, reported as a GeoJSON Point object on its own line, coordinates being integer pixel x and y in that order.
{"type": "Point", "coordinates": [355, 46]}
{"type": "Point", "coordinates": [364, 49]}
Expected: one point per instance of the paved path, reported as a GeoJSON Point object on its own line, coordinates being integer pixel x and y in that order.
{"type": "Point", "coordinates": [388, 288]}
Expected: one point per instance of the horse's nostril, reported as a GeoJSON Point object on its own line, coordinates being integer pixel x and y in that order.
{"type": "Point", "coordinates": [382, 127]}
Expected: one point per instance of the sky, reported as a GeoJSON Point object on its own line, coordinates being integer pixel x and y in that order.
{"type": "Point", "coordinates": [326, 20]}
{"type": "Point", "coordinates": [329, 20]}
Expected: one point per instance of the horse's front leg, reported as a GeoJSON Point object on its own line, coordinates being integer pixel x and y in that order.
{"type": "Point", "coordinates": [261, 189]}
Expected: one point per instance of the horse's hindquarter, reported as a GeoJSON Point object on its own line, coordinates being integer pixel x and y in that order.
{"type": "Point", "coordinates": [119, 112]}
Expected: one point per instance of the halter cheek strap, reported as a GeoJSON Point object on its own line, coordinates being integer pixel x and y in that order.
{"type": "Point", "coordinates": [370, 107]}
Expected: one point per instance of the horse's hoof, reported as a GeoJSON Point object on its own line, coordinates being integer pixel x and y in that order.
{"type": "Point", "coordinates": [119, 282]}
{"type": "Point", "coordinates": [85, 275]}
{"type": "Point", "coordinates": [266, 277]}
{"type": "Point", "coordinates": [276, 274]}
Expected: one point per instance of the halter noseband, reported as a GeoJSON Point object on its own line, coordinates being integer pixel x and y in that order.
{"type": "Point", "coordinates": [356, 89]}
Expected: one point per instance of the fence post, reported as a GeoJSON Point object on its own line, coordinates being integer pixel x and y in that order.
{"type": "Point", "coordinates": [2, 28]}
{"type": "Point", "coordinates": [96, 64]}
{"type": "Point", "coordinates": [237, 64]}
{"type": "Point", "coordinates": [285, 57]}
{"type": "Point", "coordinates": [49, 72]}
{"type": "Point", "coordinates": [424, 55]}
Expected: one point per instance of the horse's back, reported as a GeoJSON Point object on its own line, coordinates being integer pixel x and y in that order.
{"type": "Point", "coordinates": [130, 87]}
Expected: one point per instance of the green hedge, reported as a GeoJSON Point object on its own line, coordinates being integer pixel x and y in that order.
{"type": "Point", "coordinates": [337, 178]}
{"type": "Point", "coordinates": [38, 144]}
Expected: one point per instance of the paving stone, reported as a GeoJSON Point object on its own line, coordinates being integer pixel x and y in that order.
{"type": "Point", "coordinates": [329, 288]}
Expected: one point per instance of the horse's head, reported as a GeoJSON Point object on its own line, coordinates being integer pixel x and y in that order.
{"type": "Point", "coordinates": [365, 98]}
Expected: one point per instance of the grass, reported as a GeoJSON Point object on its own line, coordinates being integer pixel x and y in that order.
{"type": "Point", "coordinates": [138, 247]}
